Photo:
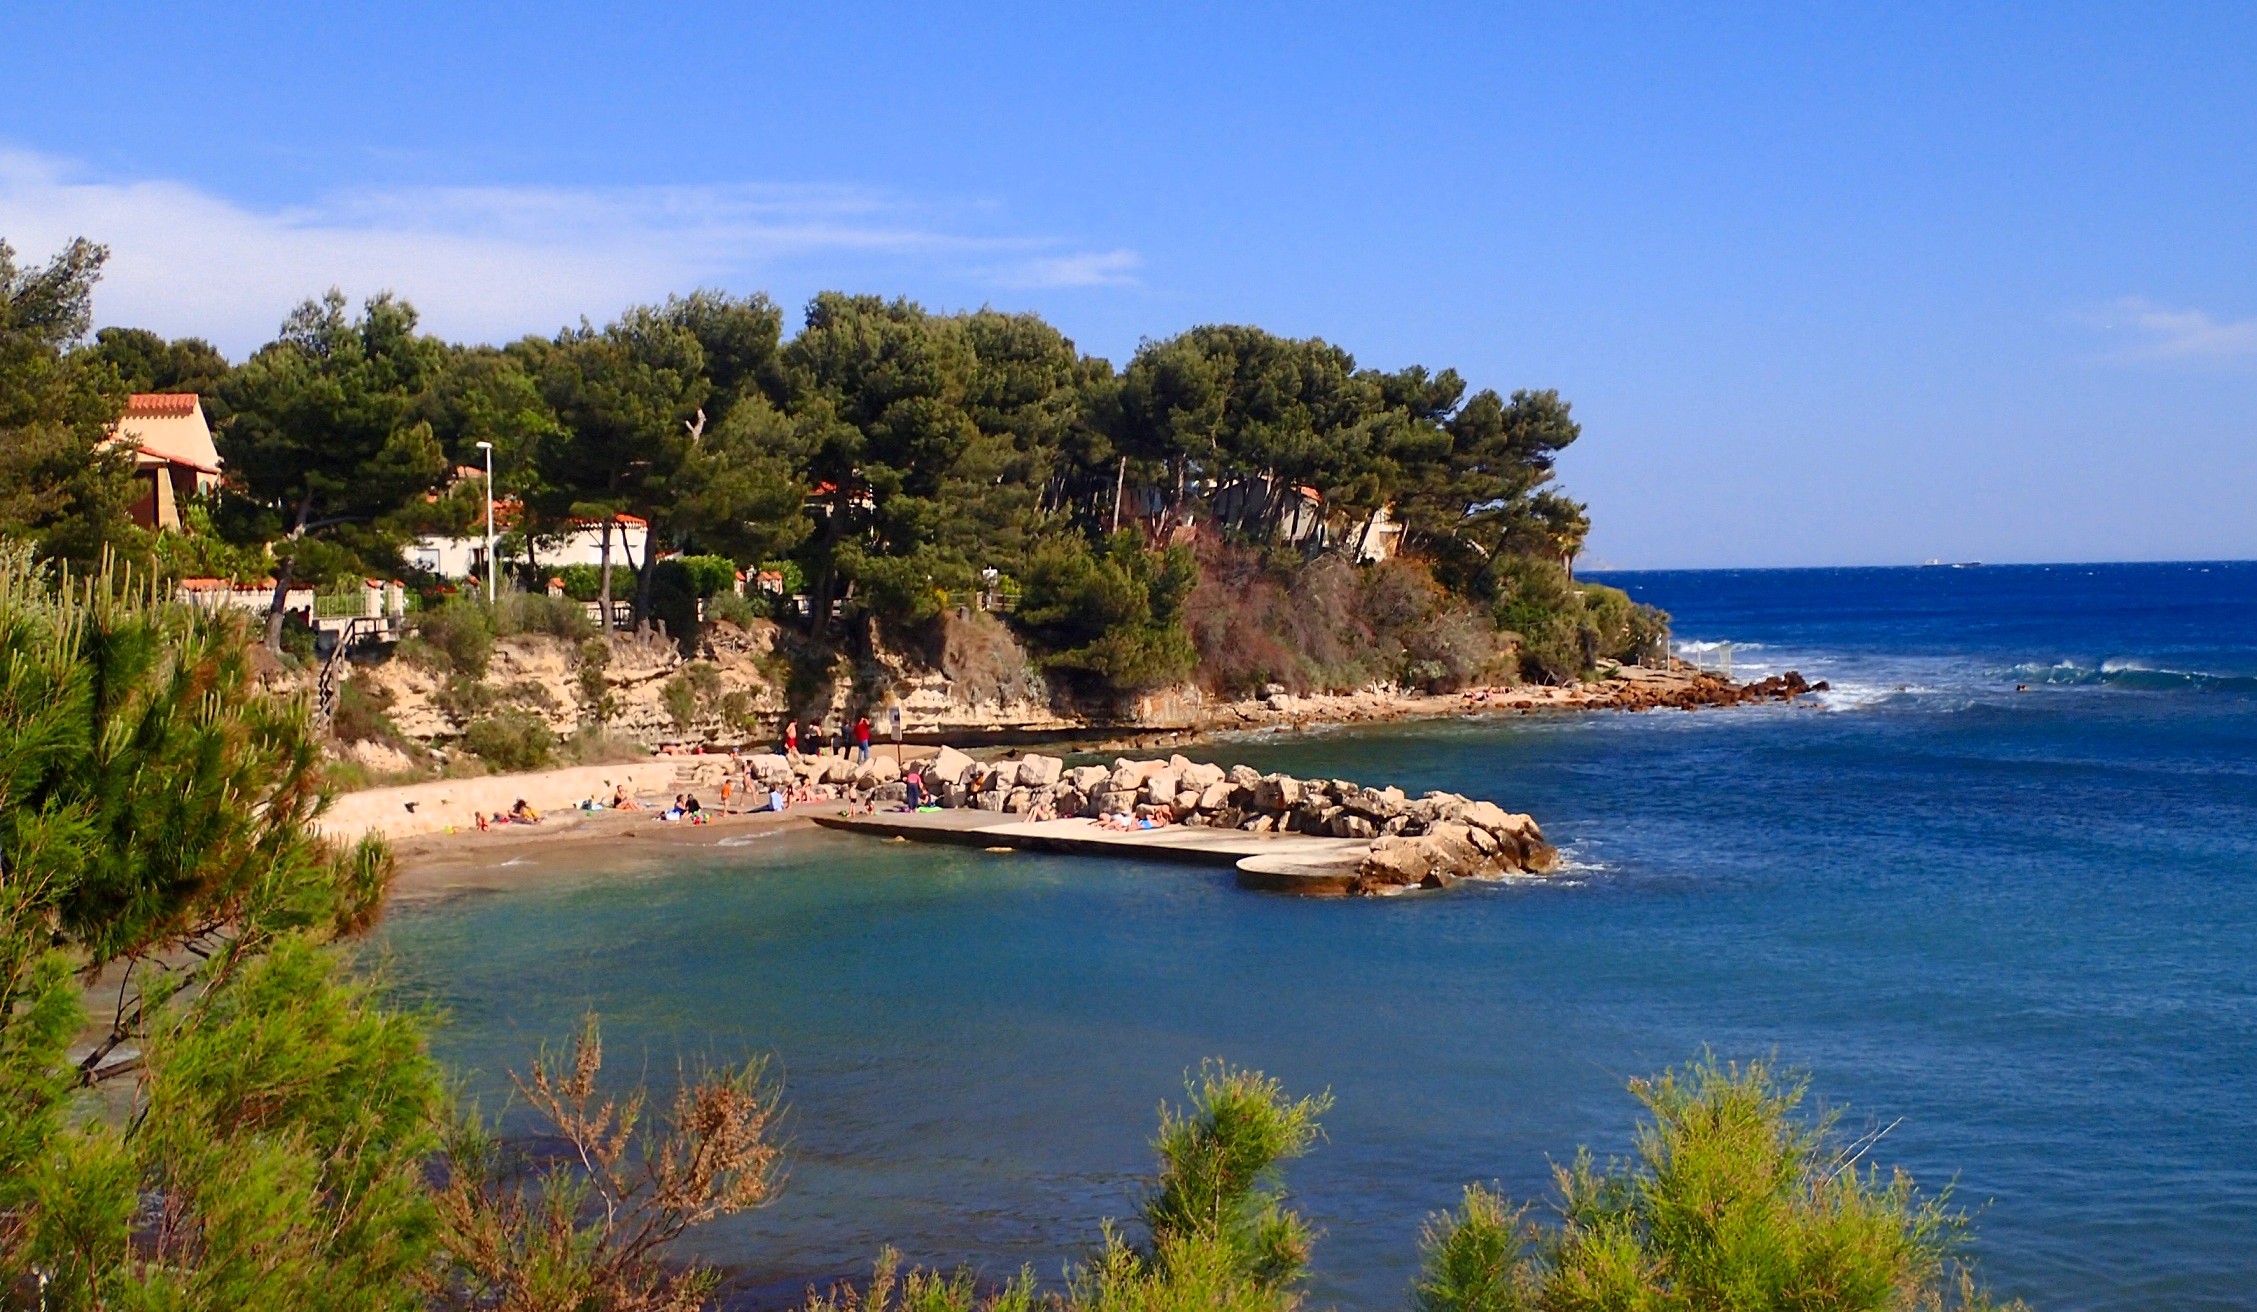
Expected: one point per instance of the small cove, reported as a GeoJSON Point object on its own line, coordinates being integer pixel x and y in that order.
{"type": "Point", "coordinates": [2026, 923]}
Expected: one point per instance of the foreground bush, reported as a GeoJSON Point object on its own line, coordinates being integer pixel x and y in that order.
{"type": "Point", "coordinates": [1218, 1233]}
{"type": "Point", "coordinates": [1733, 1200]}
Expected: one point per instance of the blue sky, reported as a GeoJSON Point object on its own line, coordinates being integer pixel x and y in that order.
{"type": "Point", "coordinates": [1826, 285]}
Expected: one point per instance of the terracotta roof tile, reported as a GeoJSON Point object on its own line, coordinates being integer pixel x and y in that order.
{"type": "Point", "coordinates": [161, 403]}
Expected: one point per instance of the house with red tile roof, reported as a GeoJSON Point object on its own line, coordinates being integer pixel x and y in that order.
{"type": "Point", "coordinates": [173, 455]}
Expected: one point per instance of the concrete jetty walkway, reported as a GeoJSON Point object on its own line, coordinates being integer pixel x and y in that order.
{"type": "Point", "coordinates": [1286, 862]}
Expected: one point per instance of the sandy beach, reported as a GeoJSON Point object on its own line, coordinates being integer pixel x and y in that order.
{"type": "Point", "coordinates": [441, 865]}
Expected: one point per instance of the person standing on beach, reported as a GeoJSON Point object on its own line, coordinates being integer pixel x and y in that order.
{"type": "Point", "coordinates": [791, 740]}
{"type": "Point", "coordinates": [815, 737]}
{"type": "Point", "coordinates": [862, 739]}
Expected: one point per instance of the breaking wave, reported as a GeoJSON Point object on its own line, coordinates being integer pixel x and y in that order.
{"type": "Point", "coordinates": [2134, 675]}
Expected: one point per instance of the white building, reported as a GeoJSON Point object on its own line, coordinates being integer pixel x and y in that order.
{"type": "Point", "coordinates": [582, 544]}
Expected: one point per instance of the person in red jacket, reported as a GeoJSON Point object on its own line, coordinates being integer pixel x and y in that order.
{"type": "Point", "coordinates": [862, 738]}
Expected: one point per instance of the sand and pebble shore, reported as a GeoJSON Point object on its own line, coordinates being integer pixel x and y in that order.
{"type": "Point", "coordinates": [442, 850]}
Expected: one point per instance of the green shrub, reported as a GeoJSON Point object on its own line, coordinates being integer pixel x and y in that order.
{"type": "Point", "coordinates": [533, 612]}
{"type": "Point", "coordinates": [594, 745]}
{"type": "Point", "coordinates": [457, 635]}
{"type": "Point", "coordinates": [583, 582]}
{"type": "Point", "coordinates": [1539, 603]}
{"type": "Point", "coordinates": [360, 715]}
{"type": "Point", "coordinates": [678, 584]}
{"type": "Point", "coordinates": [728, 607]}
{"type": "Point", "coordinates": [695, 687]}
{"type": "Point", "coordinates": [597, 705]}
{"type": "Point", "coordinates": [706, 576]}
{"type": "Point", "coordinates": [1733, 1200]}
{"type": "Point", "coordinates": [1621, 629]}
{"type": "Point", "coordinates": [1220, 1237]}
{"type": "Point", "coordinates": [795, 578]}
{"type": "Point", "coordinates": [511, 740]}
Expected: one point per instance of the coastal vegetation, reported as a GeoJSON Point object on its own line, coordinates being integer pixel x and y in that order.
{"type": "Point", "coordinates": [1229, 510]}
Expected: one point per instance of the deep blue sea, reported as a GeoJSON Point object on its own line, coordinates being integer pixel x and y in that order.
{"type": "Point", "coordinates": [2019, 928]}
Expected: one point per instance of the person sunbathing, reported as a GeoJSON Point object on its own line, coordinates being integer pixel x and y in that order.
{"type": "Point", "coordinates": [522, 814]}
{"type": "Point", "coordinates": [620, 801]}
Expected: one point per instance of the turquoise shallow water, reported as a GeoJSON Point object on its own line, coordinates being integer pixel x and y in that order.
{"type": "Point", "coordinates": [2023, 923]}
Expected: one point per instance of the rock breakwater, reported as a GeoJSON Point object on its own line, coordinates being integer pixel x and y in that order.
{"type": "Point", "coordinates": [1430, 841]}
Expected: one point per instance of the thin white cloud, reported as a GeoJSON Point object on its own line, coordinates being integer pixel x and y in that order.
{"type": "Point", "coordinates": [491, 263]}
{"type": "Point", "coordinates": [2159, 332]}
{"type": "Point", "coordinates": [1094, 269]}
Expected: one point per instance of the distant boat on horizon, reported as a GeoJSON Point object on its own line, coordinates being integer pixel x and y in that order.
{"type": "Point", "coordinates": [1955, 564]}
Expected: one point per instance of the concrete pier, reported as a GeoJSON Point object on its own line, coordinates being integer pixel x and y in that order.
{"type": "Point", "coordinates": [1294, 863]}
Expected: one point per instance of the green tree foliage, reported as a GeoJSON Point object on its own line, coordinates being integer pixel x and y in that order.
{"type": "Point", "coordinates": [329, 433]}
{"type": "Point", "coordinates": [155, 824]}
{"type": "Point", "coordinates": [1116, 617]}
{"type": "Point", "coordinates": [898, 458]}
{"type": "Point", "coordinates": [146, 362]}
{"type": "Point", "coordinates": [59, 487]}
{"type": "Point", "coordinates": [1733, 1200]}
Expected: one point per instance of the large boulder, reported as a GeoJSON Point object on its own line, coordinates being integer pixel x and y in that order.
{"type": "Point", "coordinates": [1215, 796]}
{"type": "Point", "coordinates": [1277, 792]}
{"type": "Point", "coordinates": [991, 800]}
{"type": "Point", "coordinates": [1088, 778]}
{"type": "Point", "coordinates": [877, 771]}
{"type": "Point", "coordinates": [1016, 800]}
{"type": "Point", "coordinates": [1348, 824]}
{"type": "Point", "coordinates": [946, 767]}
{"type": "Point", "coordinates": [884, 794]}
{"type": "Point", "coordinates": [1160, 788]}
{"type": "Point", "coordinates": [1200, 775]}
{"type": "Point", "coordinates": [1040, 771]}
{"type": "Point", "coordinates": [1394, 861]}
{"type": "Point", "coordinates": [770, 768]}
{"type": "Point", "coordinates": [1489, 816]}
{"type": "Point", "coordinates": [1113, 801]}
{"type": "Point", "coordinates": [1245, 776]}
{"type": "Point", "coordinates": [1377, 803]}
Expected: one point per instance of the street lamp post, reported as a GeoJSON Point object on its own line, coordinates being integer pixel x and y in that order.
{"type": "Point", "coordinates": [488, 448]}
